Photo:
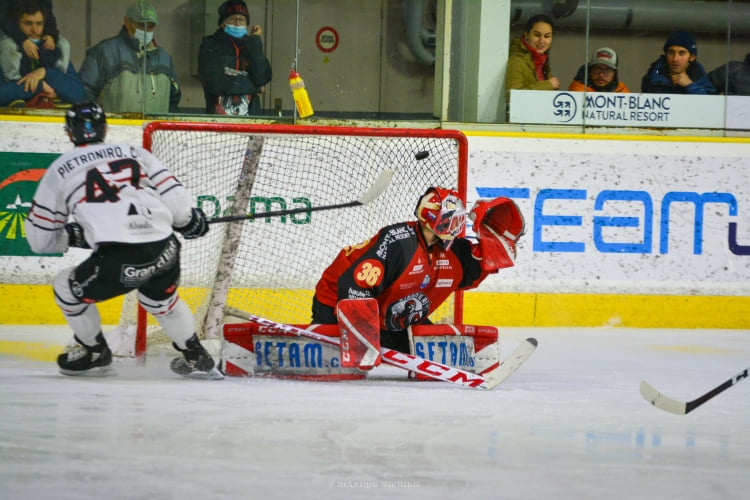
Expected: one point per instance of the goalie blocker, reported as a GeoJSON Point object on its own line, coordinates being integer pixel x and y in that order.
{"type": "Point", "coordinates": [252, 349]}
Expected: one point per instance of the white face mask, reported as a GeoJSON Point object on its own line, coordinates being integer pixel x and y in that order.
{"type": "Point", "coordinates": [144, 37]}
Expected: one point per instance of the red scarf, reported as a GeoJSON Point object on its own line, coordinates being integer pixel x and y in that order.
{"type": "Point", "coordinates": [540, 60]}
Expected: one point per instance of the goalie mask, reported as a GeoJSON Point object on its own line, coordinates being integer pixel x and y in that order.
{"type": "Point", "coordinates": [85, 122]}
{"type": "Point", "coordinates": [443, 212]}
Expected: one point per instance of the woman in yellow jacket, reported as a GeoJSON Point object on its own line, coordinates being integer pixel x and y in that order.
{"type": "Point", "coordinates": [528, 60]}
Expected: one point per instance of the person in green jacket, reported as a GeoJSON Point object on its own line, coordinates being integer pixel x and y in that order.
{"type": "Point", "coordinates": [113, 70]}
{"type": "Point", "coordinates": [528, 61]}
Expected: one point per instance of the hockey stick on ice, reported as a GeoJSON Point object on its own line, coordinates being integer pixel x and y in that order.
{"type": "Point", "coordinates": [497, 376]}
{"type": "Point", "coordinates": [683, 407]}
{"type": "Point", "coordinates": [419, 365]}
{"type": "Point", "coordinates": [377, 188]}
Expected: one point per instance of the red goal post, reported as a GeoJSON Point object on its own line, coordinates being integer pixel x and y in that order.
{"type": "Point", "coordinates": [269, 266]}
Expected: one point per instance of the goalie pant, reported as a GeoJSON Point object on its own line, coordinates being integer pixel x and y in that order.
{"type": "Point", "coordinates": [408, 279]}
{"type": "Point", "coordinates": [253, 349]}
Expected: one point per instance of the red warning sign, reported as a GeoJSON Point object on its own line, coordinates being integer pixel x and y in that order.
{"type": "Point", "coordinates": [327, 39]}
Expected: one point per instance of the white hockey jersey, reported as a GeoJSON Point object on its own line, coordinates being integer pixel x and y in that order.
{"type": "Point", "coordinates": [116, 192]}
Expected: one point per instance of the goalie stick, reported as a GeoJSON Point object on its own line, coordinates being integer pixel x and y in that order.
{"type": "Point", "coordinates": [666, 403]}
{"type": "Point", "coordinates": [377, 188]}
{"type": "Point", "coordinates": [439, 371]}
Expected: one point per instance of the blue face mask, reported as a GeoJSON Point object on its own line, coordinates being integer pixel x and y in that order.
{"type": "Point", "coordinates": [235, 31]}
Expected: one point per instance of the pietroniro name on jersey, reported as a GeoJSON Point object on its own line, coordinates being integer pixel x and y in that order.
{"type": "Point", "coordinates": [105, 153]}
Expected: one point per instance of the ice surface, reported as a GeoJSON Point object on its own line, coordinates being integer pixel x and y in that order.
{"type": "Point", "coordinates": [569, 424]}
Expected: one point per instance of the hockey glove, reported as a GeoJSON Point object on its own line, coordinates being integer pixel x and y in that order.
{"type": "Point", "coordinates": [197, 226]}
{"type": "Point", "coordinates": [498, 224]}
{"type": "Point", "coordinates": [75, 235]}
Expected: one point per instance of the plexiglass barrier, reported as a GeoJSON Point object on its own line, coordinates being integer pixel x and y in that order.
{"type": "Point", "coordinates": [582, 66]}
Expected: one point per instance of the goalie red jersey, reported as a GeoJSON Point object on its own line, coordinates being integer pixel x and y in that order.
{"type": "Point", "coordinates": [411, 268]}
{"type": "Point", "coordinates": [408, 278]}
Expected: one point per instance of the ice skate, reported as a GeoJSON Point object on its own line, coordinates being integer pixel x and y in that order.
{"type": "Point", "coordinates": [195, 362]}
{"type": "Point", "coordinates": [87, 361]}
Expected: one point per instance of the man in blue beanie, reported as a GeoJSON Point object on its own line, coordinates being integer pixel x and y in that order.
{"type": "Point", "coordinates": [677, 71]}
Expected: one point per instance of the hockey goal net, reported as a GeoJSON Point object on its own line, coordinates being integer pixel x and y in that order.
{"type": "Point", "coordinates": [269, 266]}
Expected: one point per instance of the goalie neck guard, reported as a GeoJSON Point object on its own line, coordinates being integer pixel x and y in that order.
{"type": "Point", "coordinates": [442, 211]}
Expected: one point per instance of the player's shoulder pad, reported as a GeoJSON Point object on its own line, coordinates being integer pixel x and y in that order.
{"type": "Point", "coordinates": [395, 234]}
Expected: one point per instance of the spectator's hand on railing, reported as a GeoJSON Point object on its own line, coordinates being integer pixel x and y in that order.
{"type": "Point", "coordinates": [49, 91]}
{"type": "Point", "coordinates": [31, 80]}
{"type": "Point", "coordinates": [555, 82]}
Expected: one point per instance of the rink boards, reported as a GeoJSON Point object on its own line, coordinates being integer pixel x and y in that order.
{"type": "Point", "coordinates": [624, 231]}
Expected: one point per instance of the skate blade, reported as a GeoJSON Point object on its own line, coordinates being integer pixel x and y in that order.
{"type": "Point", "coordinates": [99, 371]}
{"type": "Point", "coordinates": [214, 374]}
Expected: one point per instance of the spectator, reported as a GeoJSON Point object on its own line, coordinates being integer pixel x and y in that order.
{"type": "Point", "coordinates": [528, 61]}
{"type": "Point", "coordinates": [40, 82]}
{"type": "Point", "coordinates": [231, 64]}
{"type": "Point", "coordinates": [732, 78]}
{"type": "Point", "coordinates": [54, 47]}
{"type": "Point", "coordinates": [112, 71]}
{"type": "Point", "coordinates": [677, 71]}
{"type": "Point", "coordinates": [602, 74]}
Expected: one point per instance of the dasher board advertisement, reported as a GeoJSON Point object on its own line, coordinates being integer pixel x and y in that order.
{"type": "Point", "coordinates": [612, 109]}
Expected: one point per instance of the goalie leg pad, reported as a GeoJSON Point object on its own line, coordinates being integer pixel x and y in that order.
{"type": "Point", "coordinates": [250, 349]}
{"type": "Point", "coordinates": [472, 348]}
{"type": "Point", "coordinates": [359, 327]}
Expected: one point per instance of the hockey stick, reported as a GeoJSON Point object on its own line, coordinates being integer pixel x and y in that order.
{"type": "Point", "coordinates": [497, 376]}
{"type": "Point", "coordinates": [377, 188]}
{"type": "Point", "coordinates": [420, 365]}
{"type": "Point", "coordinates": [681, 408]}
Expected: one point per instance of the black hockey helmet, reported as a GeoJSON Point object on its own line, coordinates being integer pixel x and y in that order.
{"type": "Point", "coordinates": [85, 122]}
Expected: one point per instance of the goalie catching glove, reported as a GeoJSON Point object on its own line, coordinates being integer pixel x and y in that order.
{"type": "Point", "coordinates": [498, 223]}
{"type": "Point", "coordinates": [196, 227]}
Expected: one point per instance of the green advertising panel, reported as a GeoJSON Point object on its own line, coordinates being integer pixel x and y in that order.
{"type": "Point", "coordinates": [19, 175]}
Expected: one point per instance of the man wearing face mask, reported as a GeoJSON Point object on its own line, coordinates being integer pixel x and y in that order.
{"type": "Point", "coordinates": [113, 70]}
{"type": "Point", "coordinates": [231, 64]}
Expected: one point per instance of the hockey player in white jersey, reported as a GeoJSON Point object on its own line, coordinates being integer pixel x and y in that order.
{"type": "Point", "coordinates": [124, 204]}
